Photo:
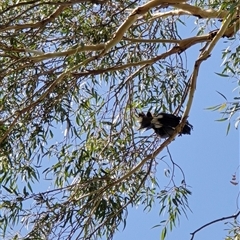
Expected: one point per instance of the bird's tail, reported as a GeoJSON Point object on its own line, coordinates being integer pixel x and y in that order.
{"type": "Point", "coordinates": [187, 128]}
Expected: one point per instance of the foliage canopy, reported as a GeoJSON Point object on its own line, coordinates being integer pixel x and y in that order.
{"type": "Point", "coordinates": [72, 74]}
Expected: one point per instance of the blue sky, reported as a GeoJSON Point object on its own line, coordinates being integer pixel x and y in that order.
{"type": "Point", "coordinates": [208, 158]}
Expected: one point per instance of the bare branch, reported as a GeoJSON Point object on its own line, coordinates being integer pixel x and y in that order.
{"type": "Point", "coordinates": [214, 221]}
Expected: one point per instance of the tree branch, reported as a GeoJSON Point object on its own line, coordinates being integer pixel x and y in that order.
{"type": "Point", "coordinates": [186, 9]}
{"type": "Point", "coordinates": [214, 221]}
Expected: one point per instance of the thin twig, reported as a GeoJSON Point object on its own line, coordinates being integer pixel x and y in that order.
{"type": "Point", "coordinates": [214, 221]}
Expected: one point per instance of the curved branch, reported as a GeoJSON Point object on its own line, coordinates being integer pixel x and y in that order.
{"type": "Point", "coordinates": [187, 9]}
{"type": "Point", "coordinates": [203, 56]}
{"type": "Point", "coordinates": [185, 43]}
{"type": "Point", "coordinates": [41, 24]}
{"type": "Point", "coordinates": [81, 48]}
{"type": "Point", "coordinates": [214, 221]}
{"type": "Point", "coordinates": [136, 13]}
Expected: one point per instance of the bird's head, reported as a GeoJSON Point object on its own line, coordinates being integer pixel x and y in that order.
{"type": "Point", "coordinates": [144, 120]}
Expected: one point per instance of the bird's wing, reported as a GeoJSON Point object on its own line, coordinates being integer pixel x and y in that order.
{"type": "Point", "coordinates": [166, 119]}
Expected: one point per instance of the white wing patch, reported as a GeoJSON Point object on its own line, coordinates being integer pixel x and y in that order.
{"type": "Point", "coordinates": [139, 119]}
{"type": "Point", "coordinates": [156, 123]}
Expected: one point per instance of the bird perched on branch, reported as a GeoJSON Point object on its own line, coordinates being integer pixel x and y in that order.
{"type": "Point", "coordinates": [163, 124]}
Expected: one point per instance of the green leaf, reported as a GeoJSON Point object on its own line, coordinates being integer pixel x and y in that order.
{"type": "Point", "coordinates": [155, 226]}
{"type": "Point", "coordinates": [221, 119]}
{"type": "Point", "coordinates": [228, 128]}
{"type": "Point", "coordinates": [224, 105]}
{"type": "Point", "coordinates": [7, 189]}
{"type": "Point", "coordinates": [214, 108]}
{"type": "Point", "coordinates": [222, 95]}
{"type": "Point", "coordinates": [164, 233]}
{"type": "Point", "coordinates": [222, 75]}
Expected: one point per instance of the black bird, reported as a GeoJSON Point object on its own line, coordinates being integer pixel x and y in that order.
{"type": "Point", "coordinates": [163, 124]}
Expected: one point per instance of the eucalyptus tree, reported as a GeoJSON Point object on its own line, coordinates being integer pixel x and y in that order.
{"type": "Point", "coordinates": [73, 75]}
